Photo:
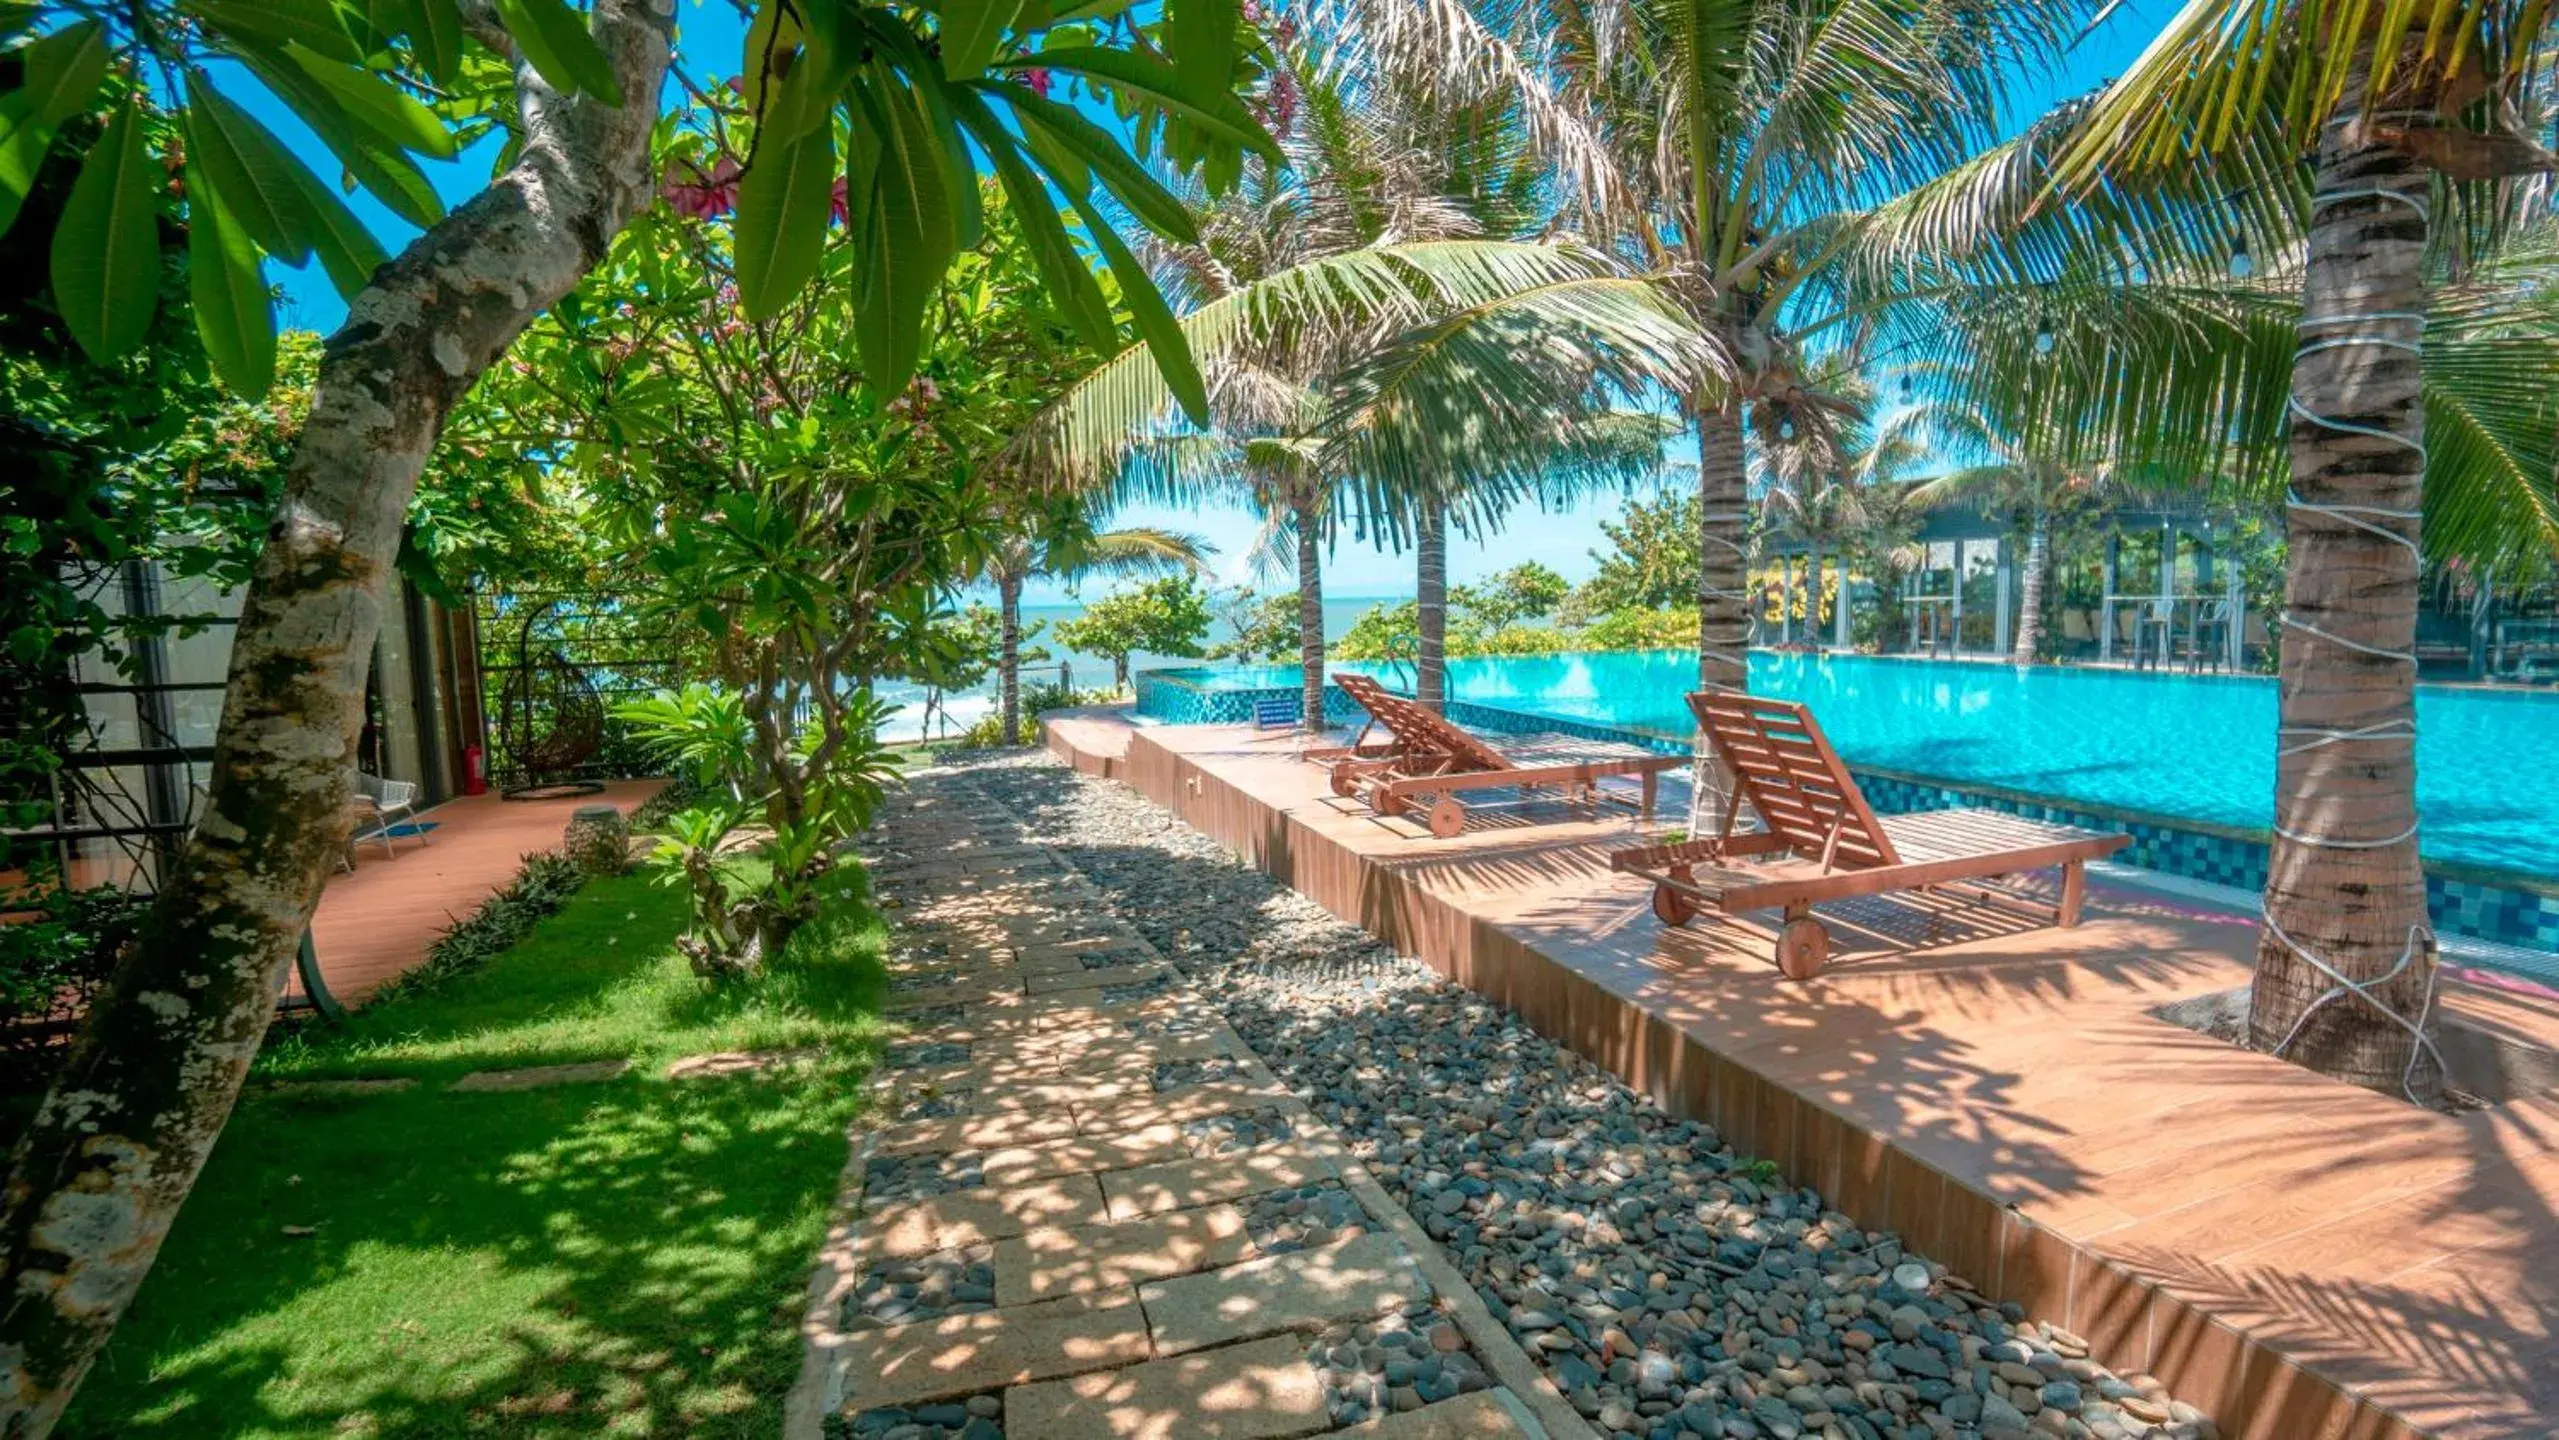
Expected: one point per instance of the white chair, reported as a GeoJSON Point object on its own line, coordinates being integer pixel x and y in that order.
{"type": "Point", "coordinates": [381, 803]}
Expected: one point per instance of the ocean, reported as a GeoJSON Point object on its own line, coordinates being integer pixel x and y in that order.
{"type": "Point", "coordinates": [1089, 672]}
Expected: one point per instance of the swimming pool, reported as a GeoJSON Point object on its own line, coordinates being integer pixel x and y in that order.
{"type": "Point", "coordinates": [2194, 747]}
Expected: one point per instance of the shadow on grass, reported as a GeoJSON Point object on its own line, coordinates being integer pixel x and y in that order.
{"type": "Point", "coordinates": [624, 1258]}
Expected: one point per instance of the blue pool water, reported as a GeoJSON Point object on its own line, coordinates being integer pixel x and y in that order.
{"type": "Point", "coordinates": [2196, 747]}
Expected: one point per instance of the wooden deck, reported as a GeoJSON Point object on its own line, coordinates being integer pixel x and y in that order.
{"type": "Point", "coordinates": [2306, 1260]}
{"type": "Point", "coordinates": [379, 919]}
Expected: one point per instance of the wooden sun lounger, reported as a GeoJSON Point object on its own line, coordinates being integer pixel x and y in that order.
{"type": "Point", "coordinates": [1822, 841]}
{"type": "Point", "coordinates": [1427, 761]}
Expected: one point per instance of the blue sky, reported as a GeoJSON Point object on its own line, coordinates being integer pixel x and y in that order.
{"type": "Point", "coordinates": [708, 38]}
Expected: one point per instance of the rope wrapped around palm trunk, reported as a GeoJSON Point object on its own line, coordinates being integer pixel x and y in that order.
{"type": "Point", "coordinates": [2367, 518]}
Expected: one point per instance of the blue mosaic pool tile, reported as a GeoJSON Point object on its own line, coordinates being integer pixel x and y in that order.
{"type": "Point", "coordinates": [2473, 908]}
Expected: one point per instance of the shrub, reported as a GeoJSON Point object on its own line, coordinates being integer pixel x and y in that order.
{"type": "Point", "coordinates": [539, 889]}
{"type": "Point", "coordinates": [51, 965]}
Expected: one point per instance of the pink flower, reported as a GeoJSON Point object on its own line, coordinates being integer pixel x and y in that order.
{"type": "Point", "coordinates": [1037, 78]}
{"type": "Point", "coordinates": [704, 195]}
{"type": "Point", "coordinates": [843, 210]}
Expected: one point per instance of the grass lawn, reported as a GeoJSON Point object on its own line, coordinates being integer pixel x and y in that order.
{"type": "Point", "coordinates": [624, 1258]}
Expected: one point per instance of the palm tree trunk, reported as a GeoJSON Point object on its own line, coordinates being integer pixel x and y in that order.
{"type": "Point", "coordinates": [1430, 589]}
{"type": "Point", "coordinates": [2030, 609]}
{"type": "Point", "coordinates": [1310, 614]}
{"type": "Point", "coordinates": [1723, 604]}
{"type": "Point", "coordinates": [2344, 883]}
{"type": "Point", "coordinates": [1723, 600]}
{"type": "Point", "coordinates": [1008, 662]}
{"type": "Point", "coordinates": [1813, 599]}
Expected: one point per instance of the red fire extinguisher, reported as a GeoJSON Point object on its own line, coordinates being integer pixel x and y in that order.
{"type": "Point", "coordinates": [475, 771]}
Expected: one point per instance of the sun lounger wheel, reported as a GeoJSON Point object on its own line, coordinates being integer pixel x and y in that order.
{"type": "Point", "coordinates": [1671, 905]}
{"type": "Point", "coordinates": [1345, 784]}
{"type": "Point", "coordinates": [1448, 816]}
{"type": "Point", "coordinates": [1802, 948]}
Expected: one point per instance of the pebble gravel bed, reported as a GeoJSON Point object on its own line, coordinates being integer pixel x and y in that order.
{"type": "Point", "coordinates": [1235, 1133]}
{"type": "Point", "coordinates": [933, 1103]}
{"type": "Point", "coordinates": [1301, 1219]}
{"type": "Point", "coordinates": [924, 1052]}
{"type": "Point", "coordinates": [979, 1417]}
{"type": "Point", "coordinates": [928, 1287]}
{"type": "Point", "coordinates": [1182, 1074]}
{"type": "Point", "coordinates": [920, 1177]}
{"type": "Point", "coordinates": [1400, 1362]}
{"type": "Point", "coordinates": [1668, 1286]}
{"type": "Point", "coordinates": [905, 981]}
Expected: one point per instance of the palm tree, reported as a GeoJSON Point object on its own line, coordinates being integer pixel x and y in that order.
{"type": "Point", "coordinates": [1733, 146]}
{"type": "Point", "coordinates": [2413, 134]}
{"type": "Point", "coordinates": [1365, 348]}
{"type": "Point", "coordinates": [1062, 539]}
{"type": "Point", "coordinates": [2025, 474]}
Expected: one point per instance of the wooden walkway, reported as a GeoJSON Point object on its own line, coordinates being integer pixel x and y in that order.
{"type": "Point", "coordinates": [2302, 1259]}
{"type": "Point", "coordinates": [381, 918]}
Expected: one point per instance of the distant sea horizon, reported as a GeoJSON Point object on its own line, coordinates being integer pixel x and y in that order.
{"type": "Point", "coordinates": [961, 709]}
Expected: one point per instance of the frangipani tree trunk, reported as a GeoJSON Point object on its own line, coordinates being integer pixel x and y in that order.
{"type": "Point", "coordinates": [2030, 609]}
{"type": "Point", "coordinates": [101, 1171]}
{"type": "Point", "coordinates": [2344, 888]}
{"type": "Point", "coordinates": [1308, 508]}
{"type": "Point", "coordinates": [1430, 607]}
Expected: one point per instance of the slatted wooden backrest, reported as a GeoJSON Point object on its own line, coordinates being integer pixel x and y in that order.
{"type": "Point", "coordinates": [1419, 729]}
{"type": "Point", "coordinates": [1793, 779]}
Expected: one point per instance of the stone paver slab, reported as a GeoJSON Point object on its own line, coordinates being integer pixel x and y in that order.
{"type": "Point", "coordinates": [973, 1217]}
{"type": "Point", "coordinates": [1046, 1263]}
{"type": "Point", "coordinates": [539, 1076]}
{"type": "Point", "coordinates": [965, 1354]}
{"type": "Point", "coordinates": [1187, 1184]}
{"type": "Point", "coordinates": [977, 1132]}
{"type": "Point", "coordinates": [737, 1062]}
{"type": "Point", "coordinates": [1484, 1415]}
{"type": "Point", "coordinates": [1298, 1290]}
{"type": "Point", "coordinates": [1105, 1114]}
{"type": "Point", "coordinates": [961, 992]}
{"type": "Point", "coordinates": [1015, 1165]}
{"type": "Point", "coordinates": [1250, 1392]}
{"type": "Point", "coordinates": [1083, 979]}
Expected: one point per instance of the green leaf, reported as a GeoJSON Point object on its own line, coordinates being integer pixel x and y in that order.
{"type": "Point", "coordinates": [253, 169]}
{"type": "Point", "coordinates": [106, 250]}
{"type": "Point", "coordinates": [1202, 42]}
{"type": "Point", "coordinates": [346, 249]}
{"type": "Point", "coordinates": [1118, 171]}
{"type": "Point", "coordinates": [1070, 284]}
{"type": "Point", "coordinates": [377, 104]}
{"type": "Point", "coordinates": [384, 170]}
{"type": "Point", "coordinates": [971, 31]}
{"type": "Point", "coordinates": [1155, 322]}
{"type": "Point", "coordinates": [233, 312]}
{"type": "Point", "coordinates": [559, 47]}
{"type": "Point", "coordinates": [905, 242]}
{"type": "Point", "coordinates": [438, 39]}
{"type": "Point", "coordinates": [59, 76]}
{"type": "Point", "coordinates": [782, 205]}
{"type": "Point", "coordinates": [319, 25]}
{"type": "Point", "coordinates": [1212, 108]}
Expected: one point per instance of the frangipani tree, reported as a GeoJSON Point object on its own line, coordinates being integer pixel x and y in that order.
{"type": "Point", "coordinates": [102, 1169]}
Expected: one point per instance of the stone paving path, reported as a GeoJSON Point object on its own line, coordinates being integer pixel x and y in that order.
{"type": "Point", "coordinates": [1083, 1208]}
